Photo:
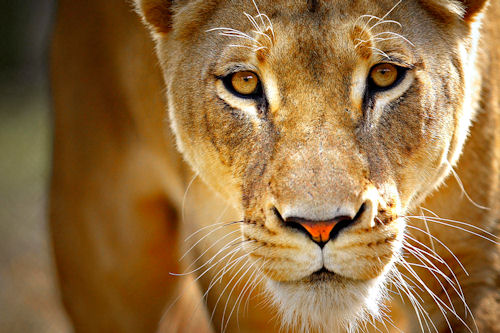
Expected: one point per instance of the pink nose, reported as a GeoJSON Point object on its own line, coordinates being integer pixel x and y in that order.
{"type": "Point", "coordinates": [319, 231]}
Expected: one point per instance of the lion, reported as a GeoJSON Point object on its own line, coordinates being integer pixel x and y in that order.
{"type": "Point", "coordinates": [326, 166]}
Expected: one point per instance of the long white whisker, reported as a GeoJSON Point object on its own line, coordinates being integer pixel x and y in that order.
{"type": "Point", "coordinates": [428, 230]}
{"type": "Point", "coordinates": [420, 312]}
{"type": "Point", "coordinates": [460, 222]}
{"type": "Point", "coordinates": [264, 34]}
{"type": "Point", "coordinates": [202, 238]}
{"type": "Point", "coordinates": [229, 32]}
{"type": "Point", "coordinates": [208, 261]}
{"type": "Point", "coordinates": [385, 22]}
{"type": "Point", "coordinates": [390, 11]}
{"type": "Point", "coordinates": [437, 300]}
{"type": "Point", "coordinates": [433, 270]}
{"type": "Point", "coordinates": [258, 13]}
{"type": "Point", "coordinates": [255, 285]}
{"type": "Point", "coordinates": [462, 187]}
{"type": "Point", "coordinates": [442, 244]}
{"type": "Point", "coordinates": [206, 227]}
{"type": "Point", "coordinates": [231, 263]}
{"type": "Point", "coordinates": [252, 21]}
{"type": "Point", "coordinates": [393, 34]}
{"type": "Point", "coordinates": [229, 283]}
{"type": "Point", "coordinates": [184, 198]}
{"type": "Point", "coordinates": [231, 242]}
{"type": "Point", "coordinates": [253, 48]}
{"type": "Point", "coordinates": [224, 326]}
{"type": "Point", "coordinates": [270, 24]}
{"type": "Point", "coordinates": [220, 275]}
{"type": "Point", "coordinates": [251, 279]}
{"type": "Point", "coordinates": [444, 222]}
{"type": "Point", "coordinates": [457, 283]}
{"type": "Point", "coordinates": [439, 259]}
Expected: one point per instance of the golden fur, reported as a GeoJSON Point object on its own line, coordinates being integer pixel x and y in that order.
{"type": "Point", "coordinates": [317, 146]}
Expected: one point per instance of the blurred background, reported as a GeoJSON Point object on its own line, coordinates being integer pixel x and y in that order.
{"type": "Point", "coordinates": [28, 297]}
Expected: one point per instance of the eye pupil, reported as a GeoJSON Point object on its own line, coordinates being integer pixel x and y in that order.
{"type": "Point", "coordinates": [245, 83]}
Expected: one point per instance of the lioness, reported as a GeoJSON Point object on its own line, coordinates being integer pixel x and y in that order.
{"type": "Point", "coordinates": [340, 165]}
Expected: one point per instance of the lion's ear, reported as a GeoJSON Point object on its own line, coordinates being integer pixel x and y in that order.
{"type": "Point", "coordinates": [157, 14]}
{"type": "Point", "coordinates": [472, 8]}
{"type": "Point", "coordinates": [466, 9]}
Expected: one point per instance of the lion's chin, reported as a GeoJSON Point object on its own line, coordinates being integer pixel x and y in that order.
{"type": "Point", "coordinates": [327, 302]}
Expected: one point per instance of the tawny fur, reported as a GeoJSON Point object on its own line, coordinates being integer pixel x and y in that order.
{"type": "Point", "coordinates": [123, 199]}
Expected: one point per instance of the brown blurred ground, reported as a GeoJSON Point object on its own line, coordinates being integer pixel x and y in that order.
{"type": "Point", "coordinates": [28, 296]}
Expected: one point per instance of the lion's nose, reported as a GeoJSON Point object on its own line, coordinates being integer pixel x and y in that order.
{"type": "Point", "coordinates": [321, 231]}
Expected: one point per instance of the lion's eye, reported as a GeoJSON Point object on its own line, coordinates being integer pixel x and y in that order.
{"type": "Point", "coordinates": [244, 84]}
{"type": "Point", "coordinates": [384, 76]}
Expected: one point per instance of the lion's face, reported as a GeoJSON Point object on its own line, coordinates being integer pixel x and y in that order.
{"type": "Point", "coordinates": [324, 123]}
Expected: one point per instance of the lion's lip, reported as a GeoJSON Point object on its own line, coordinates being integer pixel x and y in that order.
{"type": "Point", "coordinates": [321, 275]}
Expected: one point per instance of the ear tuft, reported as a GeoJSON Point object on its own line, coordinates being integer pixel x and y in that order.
{"type": "Point", "coordinates": [157, 14]}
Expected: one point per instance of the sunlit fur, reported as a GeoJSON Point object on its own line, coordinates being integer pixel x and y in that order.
{"type": "Point", "coordinates": [323, 143]}
{"type": "Point", "coordinates": [318, 147]}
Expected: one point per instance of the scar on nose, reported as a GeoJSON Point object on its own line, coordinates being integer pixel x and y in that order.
{"type": "Point", "coordinates": [362, 41]}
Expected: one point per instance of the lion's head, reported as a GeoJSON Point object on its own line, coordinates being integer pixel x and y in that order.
{"type": "Point", "coordinates": [323, 122]}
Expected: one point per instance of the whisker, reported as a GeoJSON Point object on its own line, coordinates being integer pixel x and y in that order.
{"type": "Point", "coordinates": [428, 230]}
{"type": "Point", "coordinates": [433, 270]}
{"type": "Point", "coordinates": [442, 244]}
{"type": "Point", "coordinates": [258, 13]}
{"type": "Point", "coordinates": [248, 285]}
{"type": "Point", "coordinates": [444, 222]}
{"type": "Point", "coordinates": [253, 48]}
{"type": "Point", "coordinates": [459, 292]}
{"type": "Point", "coordinates": [422, 315]}
{"type": "Point", "coordinates": [461, 185]}
{"type": "Point", "coordinates": [220, 275]}
{"type": "Point", "coordinates": [211, 246]}
{"type": "Point", "coordinates": [390, 10]}
{"type": "Point", "coordinates": [231, 263]}
{"type": "Point", "coordinates": [185, 196]}
{"type": "Point", "coordinates": [224, 224]}
{"type": "Point", "coordinates": [395, 35]}
{"type": "Point", "coordinates": [224, 326]}
{"type": "Point", "coordinates": [438, 301]}
{"type": "Point", "coordinates": [224, 271]}
{"type": "Point", "coordinates": [385, 22]}
{"type": "Point", "coordinates": [206, 263]}
{"type": "Point", "coordinates": [255, 285]}
{"type": "Point", "coordinates": [379, 51]}
{"type": "Point", "coordinates": [380, 18]}
{"type": "Point", "coordinates": [264, 34]}
{"type": "Point", "coordinates": [440, 259]}
{"type": "Point", "coordinates": [460, 222]}
{"type": "Point", "coordinates": [252, 21]}
{"type": "Point", "coordinates": [228, 284]}
{"type": "Point", "coordinates": [229, 32]}
{"type": "Point", "coordinates": [204, 228]}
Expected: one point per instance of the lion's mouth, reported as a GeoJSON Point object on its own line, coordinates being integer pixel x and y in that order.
{"type": "Point", "coordinates": [322, 275]}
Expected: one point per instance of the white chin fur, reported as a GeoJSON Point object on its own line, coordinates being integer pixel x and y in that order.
{"type": "Point", "coordinates": [338, 305]}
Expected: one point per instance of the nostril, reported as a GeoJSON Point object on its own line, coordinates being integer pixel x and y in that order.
{"type": "Point", "coordinates": [344, 223]}
{"type": "Point", "coordinates": [320, 231]}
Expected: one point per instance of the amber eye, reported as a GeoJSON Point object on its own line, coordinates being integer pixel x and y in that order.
{"type": "Point", "coordinates": [384, 75]}
{"type": "Point", "coordinates": [245, 83]}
